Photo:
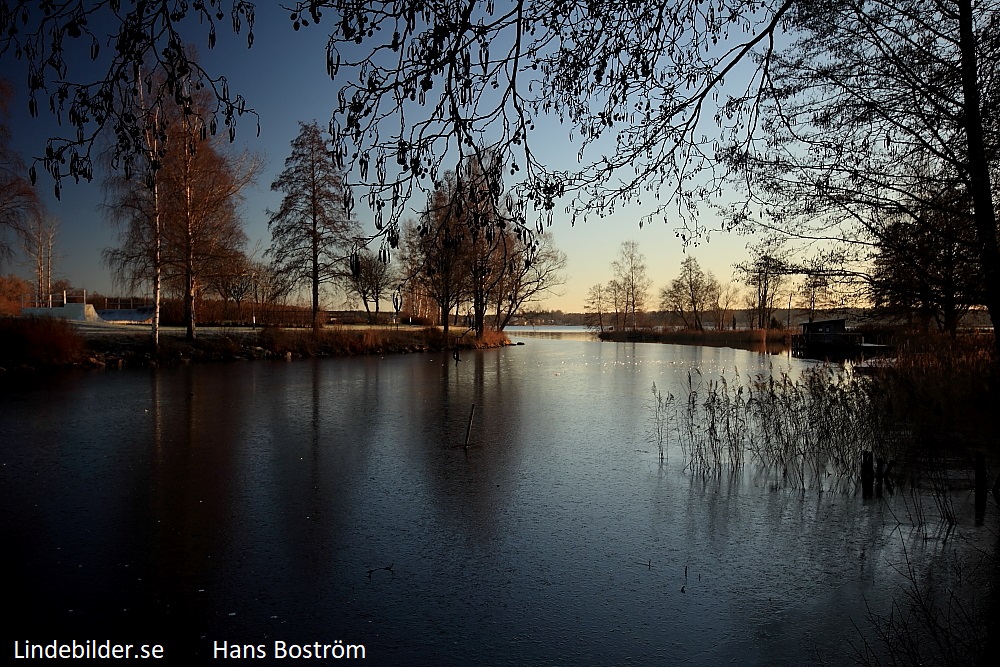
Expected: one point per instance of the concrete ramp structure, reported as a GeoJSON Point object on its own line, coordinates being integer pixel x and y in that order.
{"type": "Point", "coordinates": [140, 315]}
{"type": "Point", "coordinates": [78, 312]}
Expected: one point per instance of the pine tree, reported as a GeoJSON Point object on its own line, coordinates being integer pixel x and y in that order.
{"type": "Point", "coordinates": [312, 233]}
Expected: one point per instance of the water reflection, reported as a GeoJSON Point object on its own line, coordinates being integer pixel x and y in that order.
{"type": "Point", "coordinates": [254, 501]}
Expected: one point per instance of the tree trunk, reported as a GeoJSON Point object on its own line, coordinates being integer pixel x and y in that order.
{"type": "Point", "coordinates": [315, 248]}
{"type": "Point", "coordinates": [153, 147]}
{"type": "Point", "coordinates": [189, 294]}
{"type": "Point", "coordinates": [480, 319]}
{"type": "Point", "coordinates": [157, 266]}
{"type": "Point", "coordinates": [316, 324]}
{"type": "Point", "coordinates": [980, 189]}
{"type": "Point", "coordinates": [189, 277]}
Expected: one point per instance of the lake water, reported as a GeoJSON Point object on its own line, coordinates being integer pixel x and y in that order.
{"type": "Point", "coordinates": [332, 500]}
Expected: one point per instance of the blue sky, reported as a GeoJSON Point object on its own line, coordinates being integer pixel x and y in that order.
{"type": "Point", "coordinates": [283, 78]}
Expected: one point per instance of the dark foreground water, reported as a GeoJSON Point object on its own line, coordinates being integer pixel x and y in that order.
{"type": "Point", "coordinates": [331, 502]}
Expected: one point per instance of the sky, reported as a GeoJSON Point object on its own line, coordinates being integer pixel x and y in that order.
{"type": "Point", "coordinates": [284, 79]}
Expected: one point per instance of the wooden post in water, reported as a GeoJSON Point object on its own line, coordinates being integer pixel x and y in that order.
{"type": "Point", "coordinates": [468, 429]}
{"type": "Point", "coordinates": [867, 474]}
{"type": "Point", "coordinates": [981, 487]}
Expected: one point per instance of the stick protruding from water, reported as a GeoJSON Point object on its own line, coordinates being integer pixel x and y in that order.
{"type": "Point", "coordinates": [468, 429]}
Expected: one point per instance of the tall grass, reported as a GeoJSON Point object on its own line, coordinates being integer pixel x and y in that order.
{"type": "Point", "coordinates": [807, 428]}
{"type": "Point", "coordinates": [924, 417]}
{"type": "Point", "coordinates": [663, 411]}
{"type": "Point", "coordinates": [928, 411]}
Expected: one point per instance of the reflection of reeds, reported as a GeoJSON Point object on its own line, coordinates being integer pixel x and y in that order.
{"type": "Point", "coordinates": [939, 620]}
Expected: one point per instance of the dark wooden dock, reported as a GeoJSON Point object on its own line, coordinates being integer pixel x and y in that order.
{"type": "Point", "coordinates": [830, 340]}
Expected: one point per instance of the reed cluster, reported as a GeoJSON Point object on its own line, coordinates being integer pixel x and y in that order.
{"type": "Point", "coordinates": [807, 428]}
{"type": "Point", "coordinates": [662, 418]}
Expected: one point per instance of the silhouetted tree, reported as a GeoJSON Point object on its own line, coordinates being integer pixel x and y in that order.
{"type": "Point", "coordinates": [692, 292]}
{"type": "Point", "coordinates": [923, 271]}
{"type": "Point", "coordinates": [234, 281]}
{"type": "Point", "coordinates": [435, 256]}
{"type": "Point", "coordinates": [532, 271]}
{"type": "Point", "coordinates": [722, 307]}
{"type": "Point", "coordinates": [371, 279]}
{"type": "Point", "coordinates": [630, 276]}
{"type": "Point", "coordinates": [872, 111]}
{"type": "Point", "coordinates": [595, 306]}
{"type": "Point", "coordinates": [865, 89]}
{"type": "Point", "coordinates": [270, 288]}
{"type": "Point", "coordinates": [312, 233]}
{"type": "Point", "coordinates": [764, 275]}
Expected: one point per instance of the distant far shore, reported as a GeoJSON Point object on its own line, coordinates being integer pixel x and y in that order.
{"type": "Point", "coordinates": [736, 338]}
{"type": "Point", "coordinates": [28, 343]}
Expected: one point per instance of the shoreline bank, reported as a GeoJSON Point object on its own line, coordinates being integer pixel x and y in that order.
{"type": "Point", "coordinates": [28, 344]}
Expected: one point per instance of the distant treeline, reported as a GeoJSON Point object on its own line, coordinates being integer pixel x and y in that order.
{"type": "Point", "coordinates": [855, 316]}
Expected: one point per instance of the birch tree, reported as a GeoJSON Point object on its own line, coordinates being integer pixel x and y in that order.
{"type": "Point", "coordinates": [180, 216]}
{"type": "Point", "coordinates": [38, 243]}
{"type": "Point", "coordinates": [596, 305]}
{"type": "Point", "coordinates": [135, 207]}
{"type": "Point", "coordinates": [202, 192]}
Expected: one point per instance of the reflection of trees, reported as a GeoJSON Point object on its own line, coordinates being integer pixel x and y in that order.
{"type": "Point", "coordinates": [467, 486]}
{"type": "Point", "coordinates": [255, 485]}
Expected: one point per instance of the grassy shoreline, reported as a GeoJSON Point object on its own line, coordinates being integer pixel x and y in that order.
{"type": "Point", "coordinates": [28, 344]}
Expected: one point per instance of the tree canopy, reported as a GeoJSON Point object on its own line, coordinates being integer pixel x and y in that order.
{"type": "Point", "coordinates": [824, 114]}
{"type": "Point", "coordinates": [137, 44]}
{"type": "Point", "coordinates": [19, 204]}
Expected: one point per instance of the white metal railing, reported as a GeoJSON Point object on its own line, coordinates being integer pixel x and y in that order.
{"type": "Point", "coordinates": [127, 302]}
{"type": "Point", "coordinates": [56, 300]}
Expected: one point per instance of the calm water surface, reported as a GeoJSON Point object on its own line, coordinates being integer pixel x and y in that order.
{"type": "Point", "coordinates": [332, 500]}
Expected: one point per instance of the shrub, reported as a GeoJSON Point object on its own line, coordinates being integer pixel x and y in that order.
{"type": "Point", "coordinates": [39, 341]}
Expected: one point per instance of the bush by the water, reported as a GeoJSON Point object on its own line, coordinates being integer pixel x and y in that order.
{"type": "Point", "coordinates": [39, 341]}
